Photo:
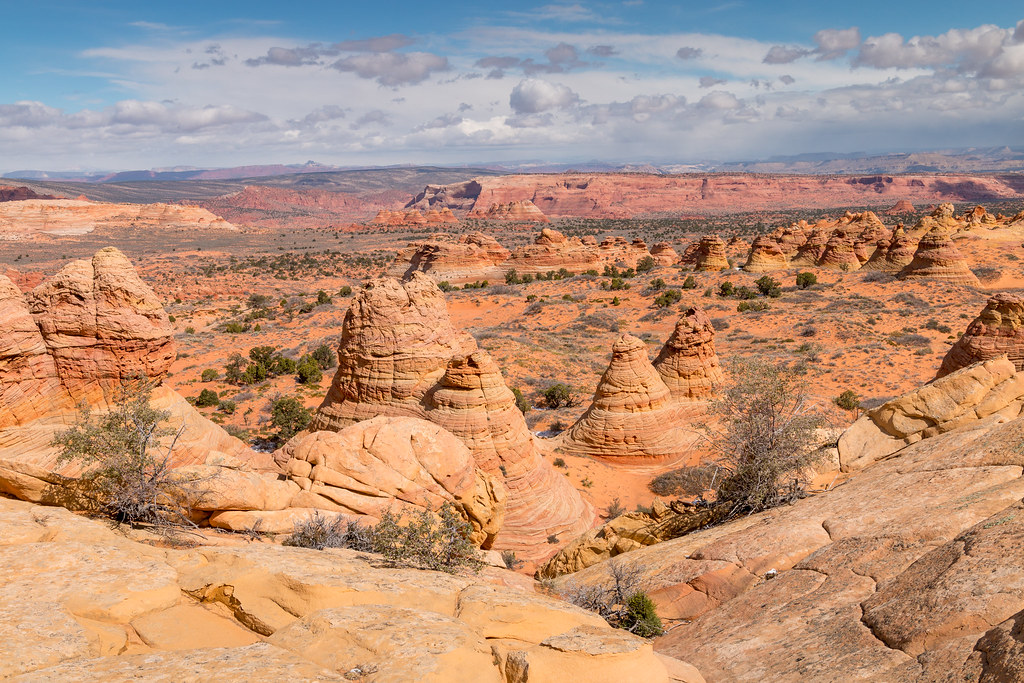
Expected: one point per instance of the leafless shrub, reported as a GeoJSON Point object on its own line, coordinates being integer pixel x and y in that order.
{"type": "Point", "coordinates": [319, 532]}
{"type": "Point", "coordinates": [987, 273]}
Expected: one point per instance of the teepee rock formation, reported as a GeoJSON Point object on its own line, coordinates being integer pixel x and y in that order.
{"type": "Point", "coordinates": [765, 256]}
{"type": "Point", "coordinates": [633, 414]}
{"type": "Point", "coordinates": [840, 253]}
{"type": "Point", "coordinates": [896, 255]}
{"type": "Point", "coordinates": [688, 363]}
{"type": "Point", "coordinates": [710, 254]}
{"type": "Point", "coordinates": [998, 330]}
{"type": "Point", "coordinates": [664, 254]}
{"type": "Point", "coordinates": [400, 355]}
{"type": "Point", "coordinates": [473, 402]}
{"type": "Point", "coordinates": [395, 344]}
{"type": "Point", "coordinates": [811, 251]}
{"type": "Point", "coordinates": [937, 258]}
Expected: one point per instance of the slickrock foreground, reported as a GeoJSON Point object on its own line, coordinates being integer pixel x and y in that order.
{"type": "Point", "coordinates": [909, 571]}
{"type": "Point", "coordinates": [633, 414]}
{"type": "Point", "coordinates": [82, 602]}
{"type": "Point", "coordinates": [995, 332]}
{"type": "Point", "coordinates": [400, 355]}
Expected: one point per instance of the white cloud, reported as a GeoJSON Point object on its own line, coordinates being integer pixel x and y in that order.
{"type": "Point", "coordinates": [534, 96]}
{"type": "Point", "coordinates": [393, 68]}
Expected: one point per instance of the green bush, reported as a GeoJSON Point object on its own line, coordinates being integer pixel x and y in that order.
{"type": "Point", "coordinates": [325, 357]}
{"type": "Point", "coordinates": [445, 286]}
{"type": "Point", "coordinates": [805, 280]}
{"type": "Point", "coordinates": [558, 395]}
{"type": "Point", "coordinates": [848, 400]}
{"type": "Point", "coordinates": [726, 289]}
{"type": "Point", "coordinates": [308, 370]}
{"type": "Point", "coordinates": [512, 277]}
{"type": "Point", "coordinates": [345, 291]}
{"type": "Point", "coordinates": [210, 374]}
{"type": "Point", "coordinates": [521, 402]}
{"type": "Point", "coordinates": [656, 284]}
{"type": "Point", "coordinates": [745, 306]}
{"type": "Point", "coordinates": [689, 282]}
{"type": "Point", "coordinates": [207, 398]}
{"type": "Point", "coordinates": [646, 264]}
{"type": "Point", "coordinates": [768, 286]}
{"type": "Point", "coordinates": [227, 407]}
{"type": "Point", "coordinates": [667, 298]}
{"type": "Point", "coordinates": [641, 617]}
{"type": "Point", "coordinates": [438, 541]}
{"type": "Point", "coordinates": [322, 298]}
{"type": "Point", "coordinates": [290, 417]}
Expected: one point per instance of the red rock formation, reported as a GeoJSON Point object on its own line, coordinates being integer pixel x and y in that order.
{"type": "Point", "coordinates": [839, 252]}
{"type": "Point", "coordinates": [17, 194]}
{"type": "Point", "coordinates": [998, 330]}
{"type": "Point", "coordinates": [616, 251]}
{"type": "Point", "coordinates": [901, 207]}
{"type": "Point", "coordinates": [664, 254]}
{"type": "Point", "coordinates": [688, 363]}
{"type": "Point", "coordinates": [552, 250]}
{"type": "Point", "coordinates": [710, 254]}
{"type": "Point", "coordinates": [765, 256]}
{"type": "Point", "coordinates": [896, 255]}
{"type": "Point", "coordinates": [937, 258]}
{"type": "Point", "coordinates": [941, 216]}
{"type": "Point", "coordinates": [473, 402]}
{"type": "Point", "coordinates": [791, 238]}
{"type": "Point", "coordinates": [810, 252]}
{"type": "Point", "coordinates": [474, 256]}
{"type": "Point", "coordinates": [522, 210]}
{"type": "Point", "coordinates": [633, 414]}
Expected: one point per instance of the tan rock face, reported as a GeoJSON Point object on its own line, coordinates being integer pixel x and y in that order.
{"type": "Point", "coordinates": [102, 324]}
{"type": "Point", "coordinates": [474, 256]}
{"type": "Point", "coordinates": [998, 330]}
{"type": "Point", "coordinates": [991, 387]}
{"type": "Point", "coordinates": [810, 252]}
{"type": "Point", "coordinates": [396, 358]}
{"type": "Point", "coordinates": [937, 258]}
{"type": "Point", "coordinates": [840, 253]}
{"type": "Point", "coordinates": [897, 254]}
{"type": "Point", "coordinates": [395, 463]}
{"type": "Point", "coordinates": [664, 254]}
{"type": "Point", "coordinates": [688, 363]}
{"type": "Point", "coordinates": [632, 414]}
{"type": "Point", "coordinates": [28, 376]}
{"type": "Point", "coordinates": [710, 254]}
{"type": "Point", "coordinates": [901, 207]}
{"type": "Point", "coordinates": [522, 210]}
{"type": "Point", "coordinates": [395, 345]}
{"type": "Point", "coordinates": [765, 256]}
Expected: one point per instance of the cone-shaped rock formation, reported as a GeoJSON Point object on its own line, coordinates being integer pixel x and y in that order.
{"type": "Point", "coordinates": [688, 363]}
{"type": "Point", "coordinates": [765, 256]}
{"type": "Point", "coordinates": [937, 258]}
{"type": "Point", "coordinates": [664, 254]}
{"type": "Point", "coordinates": [998, 330]}
{"type": "Point", "coordinates": [710, 254]}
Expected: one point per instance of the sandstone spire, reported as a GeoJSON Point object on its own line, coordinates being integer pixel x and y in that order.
{"type": "Point", "coordinates": [938, 259]}
{"type": "Point", "coordinates": [688, 363]}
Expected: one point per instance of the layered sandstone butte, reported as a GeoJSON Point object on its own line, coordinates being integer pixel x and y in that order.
{"type": "Point", "coordinates": [810, 252]}
{"type": "Point", "coordinates": [413, 217]}
{"type": "Point", "coordinates": [765, 256]}
{"type": "Point", "coordinates": [474, 256]}
{"type": "Point", "coordinates": [473, 402]}
{"type": "Point", "coordinates": [664, 254]}
{"type": "Point", "coordinates": [55, 217]}
{"type": "Point", "coordinates": [688, 363]}
{"type": "Point", "coordinates": [989, 387]}
{"type": "Point", "coordinates": [942, 216]}
{"type": "Point", "coordinates": [17, 194]}
{"type": "Point", "coordinates": [998, 330]}
{"type": "Point", "coordinates": [395, 344]}
{"type": "Point", "coordinates": [897, 255]}
{"type": "Point", "coordinates": [901, 207]}
{"type": "Point", "coordinates": [396, 358]}
{"type": "Point", "coordinates": [521, 210]}
{"type": "Point", "coordinates": [839, 252]}
{"type": "Point", "coordinates": [937, 258]}
{"type": "Point", "coordinates": [710, 254]}
{"type": "Point", "coordinates": [633, 414]}
{"type": "Point", "coordinates": [393, 464]}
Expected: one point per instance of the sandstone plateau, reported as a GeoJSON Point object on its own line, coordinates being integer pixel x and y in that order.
{"type": "Point", "coordinates": [25, 219]}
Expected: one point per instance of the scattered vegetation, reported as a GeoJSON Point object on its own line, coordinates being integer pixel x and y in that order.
{"type": "Point", "coordinates": [848, 400]}
{"type": "Point", "coordinates": [289, 417]}
{"type": "Point", "coordinates": [559, 395]}
{"type": "Point", "coordinates": [805, 280]}
{"type": "Point", "coordinates": [622, 601]}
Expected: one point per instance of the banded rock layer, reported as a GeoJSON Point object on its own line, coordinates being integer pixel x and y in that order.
{"type": "Point", "coordinates": [688, 363]}
{"type": "Point", "coordinates": [998, 330]}
{"type": "Point", "coordinates": [937, 258]}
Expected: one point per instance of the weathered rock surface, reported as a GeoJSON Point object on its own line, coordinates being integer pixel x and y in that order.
{"type": "Point", "coordinates": [998, 330]}
{"type": "Point", "coordinates": [765, 256]}
{"type": "Point", "coordinates": [82, 602]}
{"type": "Point", "coordinates": [396, 358]}
{"type": "Point", "coordinates": [901, 207]}
{"type": "Point", "coordinates": [520, 210]}
{"type": "Point", "coordinates": [937, 258]}
{"type": "Point", "coordinates": [474, 256]}
{"type": "Point", "coordinates": [23, 219]}
{"type": "Point", "coordinates": [393, 463]}
{"type": "Point", "coordinates": [664, 254]}
{"type": "Point", "coordinates": [908, 571]}
{"type": "Point", "coordinates": [991, 387]}
{"type": "Point", "coordinates": [710, 254]}
{"type": "Point", "coordinates": [896, 255]}
{"type": "Point", "coordinates": [633, 414]}
{"type": "Point", "coordinates": [688, 363]}
{"type": "Point", "coordinates": [840, 253]}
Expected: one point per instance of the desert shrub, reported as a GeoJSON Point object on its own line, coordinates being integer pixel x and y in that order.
{"type": "Point", "coordinates": [878, 276]}
{"type": "Point", "coordinates": [190, 330]}
{"type": "Point", "coordinates": [445, 286]}
{"type": "Point", "coordinates": [508, 557]}
{"type": "Point", "coordinates": [667, 298]}
{"type": "Point", "coordinates": [210, 374]}
{"type": "Point", "coordinates": [207, 398]}
{"type": "Point", "coordinates": [848, 400]}
{"type": "Point", "coordinates": [512, 277]}
{"type": "Point", "coordinates": [987, 273]}
{"type": "Point", "coordinates": [689, 282]}
{"type": "Point", "coordinates": [235, 328]}
{"type": "Point", "coordinates": [745, 292]}
{"type": "Point", "coordinates": [318, 532]}
{"type": "Point", "coordinates": [556, 426]}
{"type": "Point", "coordinates": [769, 286]}
{"type": "Point", "coordinates": [227, 407]}
{"type": "Point", "coordinates": [720, 324]}
{"type": "Point", "coordinates": [172, 319]}
{"type": "Point", "coordinates": [616, 301]}
{"type": "Point", "coordinates": [259, 300]}
{"type": "Point", "coordinates": [614, 509]}
{"type": "Point", "coordinates": [622, 600]}
{"type": "Point", "coordinates": [527, 278]}
{"type": "Point", "coordinates": [308, 370]}
{"type": "Point", "coordinates": [616, 284]}
{"type": "Point", "coordinates": [641, 617]}
{"type": "Point", "coordinates": [805, 280]}
{"type": "Point", "coordinates": [438, 541]}
{"type": "Point", "coordinates": [656, 284]}
{"type": "Point", "coordinates": [290, 417]}
{"type": "Point", "coordinates": [521, 402]}
{"type": "Point", "coordinates": [345, 291]}
{"type": "Point", "coordinates": [726, 289]}
{"type": "Point", "coordinates": [325, 357]}
{"type": "Point", "coordinates": [125, 456]}
{"type": "Point", "coordinates": [646, 264]}
{"type": "Point", "coordinates": [558, 395]}
{"type": "Point", "coordinates": [686, 481]}
{"type": "Point", "coordinates": [934, 325]}
{"type": "Point", "coordinates": [767, 422]}
{"type": "Point", "coordinates": [745, 306]}
{"type": "Point", "coordinates": [322, 298]}
{"type": "Point", "coordinates": [559, 462]}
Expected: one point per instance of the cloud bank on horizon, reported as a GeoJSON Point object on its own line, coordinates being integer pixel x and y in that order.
{"type": "Point", "coordinates": [618, 81]}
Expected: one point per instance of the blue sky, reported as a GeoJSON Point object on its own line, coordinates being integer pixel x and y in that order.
{"type": "Point", "coordinates": [114, 85]}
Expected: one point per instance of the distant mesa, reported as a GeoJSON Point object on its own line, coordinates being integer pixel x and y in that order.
{"type": "Point", "coordinates": [521, 210]}
{"type": "Point", "coordinates": [18, 194]}
{"type": "Point", "coordinates": [998, 330]}
{"type": "Point", "coordinates": [414, 217]}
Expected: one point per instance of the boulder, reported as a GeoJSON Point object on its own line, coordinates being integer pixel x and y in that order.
{"type": "Point", "coordinates": [688, 363]}
{"type": "Point", "coordinates": [997, 331]}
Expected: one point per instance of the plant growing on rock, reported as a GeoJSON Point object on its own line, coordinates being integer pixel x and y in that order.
{"type": "Point", "coordinates": [125, 456]}
{"type": "Point", "coordinates": [622, 600]}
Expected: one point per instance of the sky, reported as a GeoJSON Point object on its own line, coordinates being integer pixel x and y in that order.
{"type": "Point", "coordinates": [131, 85]}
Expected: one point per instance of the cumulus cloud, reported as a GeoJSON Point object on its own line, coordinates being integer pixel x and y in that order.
{"type": "Point", "coordinates": [710, 81]}
{"type": "Point", "coordinates": [292, 56]}
{"type": "Point", "coordinates": [560, 59]}
{"type": "Point", "coordinates": [328, 112]}
{"type": "Point", "coordinates": [781, 54]}
{"type": "Point", "coordinates": [689, 52]}
{"type": "Point", "coordinates": [605, 50]}
{"type": "Point", "coordinates": [393, 68]}
{"type": "Point", "coordinates": [534, 96]}
{"type": "Point", "coordinates": [720, 100]}
{"type": "Point", "coordinates": [968, 50]}
{"type": "Point", "coordinates": [373, 117]}
{"type": "Point", "coordinates": [443, 121]}
{"type": "Point", "coordinates": [127, 115]}
{"type": "Point", "coordinates": [834, 43]}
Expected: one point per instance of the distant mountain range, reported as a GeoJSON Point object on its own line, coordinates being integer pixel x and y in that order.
{"type": "Point", "coordinates": [993, 159]}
